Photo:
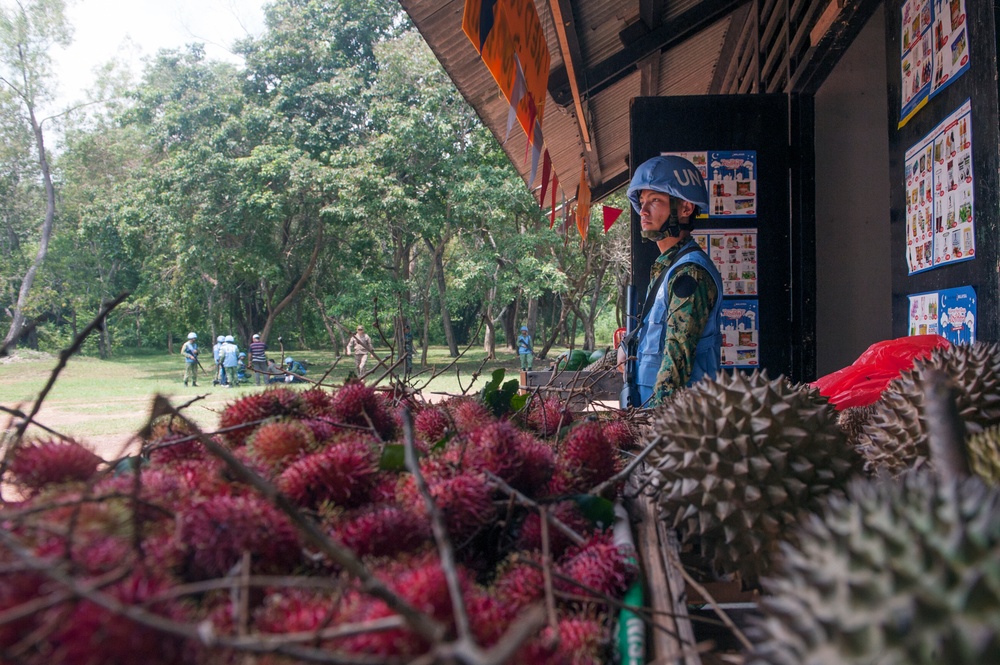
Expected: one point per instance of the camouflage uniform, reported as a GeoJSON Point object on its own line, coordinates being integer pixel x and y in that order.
{"type": "Point", "coordinates": [692, 294]}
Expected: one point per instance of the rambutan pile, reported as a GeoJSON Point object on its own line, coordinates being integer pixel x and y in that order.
{"type": "Point", "coordinates": [172, 533]}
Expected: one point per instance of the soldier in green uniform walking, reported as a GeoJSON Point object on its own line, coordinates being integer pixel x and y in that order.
{"type": "Point", "coordinates": [678, 341]}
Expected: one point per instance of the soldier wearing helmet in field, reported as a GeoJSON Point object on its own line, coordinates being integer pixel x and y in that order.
{"type": "Point", "coordinates": [678, 340]}
{"type": "Point", "coordinates": [190, 352]}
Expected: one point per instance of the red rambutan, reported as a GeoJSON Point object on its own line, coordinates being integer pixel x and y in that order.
{"type": "Point", "coordinates": [422, 583]}
{"type": "Point", "coordinates": [344, 473]}
{"type": "Point", "coordinates": [621, 434]}
{"type": "Point", "coordinates": [431, 424]}
{"type": "Point", "coordinates": [216, 532]}
{"type": "Point", "coordinates": [587, 457]}
{"type": "Point", "coordinates": [318, 401]}
{"type": "Point", "coordinates": [92, 634]}
{"type": "Point", "coordinates": [548, 415]}
{"type": "Point", "coordinates": [174, 447]}
{"type": "Point", "coordinates": [468, 414]}
{"type": "Point", "coordinates": [598, 566]}
{"type": "Point", "coordinates": [279, 442]}
{"type": "Point", "coordinates": [249, 411]}
{"type": "Point", "coordinates": [322, 427]}
{"type": "Point", "coordinates": [38, 464]}
{"type": "Point", "coordinates": [566, 512]}
{"type": "Point", "coordinates": [465, 500]}
{"type": "Point", "coordinates": [357, 404]}
{"type": "Point", "coordinates": [296, 611]}
{"type": "Point", "coordinates": [515, 456]}
{"type": "Point", "coordinates": [383, 531]}
{"type": "Point", "coordinates": [520, 582]}
{"type": "Point", "coordinates": [578, 641]}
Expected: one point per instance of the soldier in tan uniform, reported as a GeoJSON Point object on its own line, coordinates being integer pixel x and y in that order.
{"type": "Point", "coordinates": [360, 345]}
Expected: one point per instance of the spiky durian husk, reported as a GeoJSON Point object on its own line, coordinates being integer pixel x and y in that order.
{"type": "Point", "coordinates": [899, 571]}
{"type": "Point", "coordinates": [984, 454]}
{"type": "Point", "coordinates": [896, 437]}
{"type": "Point", "coordinates": [741, 457]}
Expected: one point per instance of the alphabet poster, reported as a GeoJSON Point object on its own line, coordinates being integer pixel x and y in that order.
{"type": "Point", "coordinates": [940, 228]}
{"type": "Point", "coordinates": [934, 40]}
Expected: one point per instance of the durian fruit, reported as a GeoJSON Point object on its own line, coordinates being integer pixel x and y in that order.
{"type": "Point", "coordinates": [903, 571]}
{"type": "Point", "coordinates": [896, 437]}
{"type": "Point", "coordinates": [984, 454]}
{"type": "Point", "coordinates": [741, 457]}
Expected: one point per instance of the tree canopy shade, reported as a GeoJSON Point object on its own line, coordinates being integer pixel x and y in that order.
{"type": "Point", "coordinates": [337, 178]}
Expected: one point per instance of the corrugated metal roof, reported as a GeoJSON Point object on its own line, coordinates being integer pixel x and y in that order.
{"type": "Point", "coordinates": [686, 69]}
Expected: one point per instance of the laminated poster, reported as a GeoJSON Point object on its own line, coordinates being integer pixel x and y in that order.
{"type": "Point", "coordinates": [734, 253]}
{"type": "Point", "coordinates": [740, 346]}
{"type": "Point", "coordinates": [935, 50]}
{"type": "Point", "coordinates": [730, 176]}
{"type": "Point", "coordinates": [940, 228]}
{"type": "Point", "coordinates": [950, 313]}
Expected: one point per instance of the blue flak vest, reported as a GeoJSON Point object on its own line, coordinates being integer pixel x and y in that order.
{"type": "Point", "coordinates": [651, 335]}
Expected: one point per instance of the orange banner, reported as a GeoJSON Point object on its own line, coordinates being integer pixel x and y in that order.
{"type": "Point", "coordinates": [516, 31]}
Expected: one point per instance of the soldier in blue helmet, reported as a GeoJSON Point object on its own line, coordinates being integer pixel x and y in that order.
{"type": "Point", "coordinates": [678, 341]}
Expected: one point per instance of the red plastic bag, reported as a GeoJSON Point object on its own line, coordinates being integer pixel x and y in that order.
{"type": "Point", "coordinates": [863, 381]}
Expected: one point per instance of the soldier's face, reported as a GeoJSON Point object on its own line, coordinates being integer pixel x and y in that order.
{"type": "Point", "coordinates": [654, 209]}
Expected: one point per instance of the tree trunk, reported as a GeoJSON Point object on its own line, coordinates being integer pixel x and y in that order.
{"type": "Point", "coordinates": [533, 317]}
{"type": "Point", "coordinates": [556, 329]}
{"type": "Point", "coordinates": [510, 324]}
{"type": "Point", "coordinates": [18, 319]}
{"type": "Point", "coordinates": [449, 334]}
{"type": "Point", "coordinates": [272, 312]}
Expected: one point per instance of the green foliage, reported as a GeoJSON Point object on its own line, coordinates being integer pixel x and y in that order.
{"type": "Point", "coordinates": [501, 397]}
{"type": "Point", "coordinates": [337, 178]}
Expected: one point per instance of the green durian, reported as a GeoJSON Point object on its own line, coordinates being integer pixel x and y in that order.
{"type": "Point", "coordinates": [903, 571]}
{"type": "Point", "coordinates": [741, 456]}
{"type": "Point", "coordinates": [895, 439]}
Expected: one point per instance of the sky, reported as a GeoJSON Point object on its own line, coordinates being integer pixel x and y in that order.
{"type": "Point", "coordinates": [133, 29]}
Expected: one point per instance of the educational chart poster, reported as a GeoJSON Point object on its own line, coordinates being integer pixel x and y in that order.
{"type": "Point", "coordinates": [730, 176]}
{"type": "Point", "coordinates": [935, 50]}
{"type": "Point", "coordinates": [740, 345]}
{"type": "Point", "coordinates": [940, 228]}
{"type": "Point", "coordinates": [950, 313]}
{"type": "Point", "coordinates": [734, 253]}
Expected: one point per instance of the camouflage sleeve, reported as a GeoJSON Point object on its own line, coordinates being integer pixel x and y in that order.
{"type": "Point", "coordinates": [692, 294]}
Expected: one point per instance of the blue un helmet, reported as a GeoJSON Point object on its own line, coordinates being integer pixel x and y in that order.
{"type": "Point", "coordinates": [674, 176]}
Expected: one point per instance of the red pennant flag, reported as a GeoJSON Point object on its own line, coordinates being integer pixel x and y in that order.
{"type": "Point", "coordinates": [546, 172]}
{"type": "Point", "coordinates": [555, 186]}
{"type": "Point", "coordinates": [610, 215]}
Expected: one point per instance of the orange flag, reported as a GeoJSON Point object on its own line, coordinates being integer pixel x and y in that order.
{"type": "Point", "coordinates": [583, 202]}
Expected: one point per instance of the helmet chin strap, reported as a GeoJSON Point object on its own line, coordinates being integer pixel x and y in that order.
{"type": "Point", "coordinates": [671, 228]}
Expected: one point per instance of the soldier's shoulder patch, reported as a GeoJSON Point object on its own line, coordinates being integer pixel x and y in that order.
{"type": "Point", "coordinates": [684, 286]}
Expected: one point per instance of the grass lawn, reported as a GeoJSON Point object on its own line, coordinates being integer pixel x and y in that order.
{"type": "Point", "coordinates": [105, 402]}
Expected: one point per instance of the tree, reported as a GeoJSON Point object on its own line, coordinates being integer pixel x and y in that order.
{"type": "Point", "coordinates": [27, 32]}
